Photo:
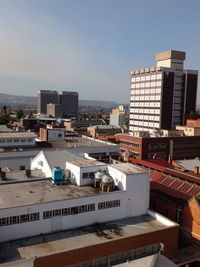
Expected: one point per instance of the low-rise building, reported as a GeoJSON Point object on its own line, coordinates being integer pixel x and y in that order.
{"type": "Point", "coordinates": [17, 139]}
{"type": "Point", "coordinates": [102, 131]}
{"type": "Point", "coordinates": [189, 130]}
{"type": "Point", "coordinates": [176, 195]}
{"type": "Point", "coordinates": [51, 135]}
{"type": "Point", "coordinates": [81, 126]}
{"type": "Point", "coordinates": [177, 147]}
{"type": "Point", "coordinates": [112, 206]}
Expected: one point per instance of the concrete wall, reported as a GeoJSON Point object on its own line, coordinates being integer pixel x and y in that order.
{"type": "Point", "coordinates": [53, 135]}
{"type": "Point", "coordinates": [10, 142]}
{"type": "Point", "coordinates": [57, 223]}
{"type": "Point", "coordinates": [167, 236]}
{"type": "Point", "coordinates": [133, 202]}
{"type": "Point", "coordinates": [40, 162]}
{"type": "Point", "coordinates": [77, 173]}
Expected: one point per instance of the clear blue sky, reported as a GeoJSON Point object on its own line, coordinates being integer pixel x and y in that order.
{"type": "Point", "coordinates": [90, 46]}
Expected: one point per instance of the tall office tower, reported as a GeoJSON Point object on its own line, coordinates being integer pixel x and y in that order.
{"type": "Point", "coordinates": [46, 97]}
{"type": "Point", "coordinates": [69, 102]}
{"type": "Point", "coordinates": [163, 95]}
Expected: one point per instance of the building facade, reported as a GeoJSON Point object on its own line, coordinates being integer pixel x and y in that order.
{"type": "Point", "coordinates": [17, 139]}
{"type": "Point", "coordinates": [46, 97]}
{"type": "Point", "coordinates": [64, 103]}
{"type": "Point", "coordinates": [177, 147]}
{"type": "Point", "coordinates": [163, 95]}
{"type": "Point", "coordinates": [51, 135]}
{"type": "Point", "coordinates": [69, 103]}
{"type": "Point", "coordinates": [117, 117]}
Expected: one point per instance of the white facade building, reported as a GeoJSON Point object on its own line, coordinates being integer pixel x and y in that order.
{"type": "Point", "coordinates": [28, 209]}
{"type": "Point", "coordinates": [17, 139]}
{"type": "Point", "coordinates": [163, 95]}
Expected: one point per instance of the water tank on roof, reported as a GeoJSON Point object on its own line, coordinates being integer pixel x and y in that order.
{"type": "Point", "coordinates": [98, 176]}
{"type": "Point", "coordinates": [107, 180]}
{"type": "Point", "coordinates": [57, 175]}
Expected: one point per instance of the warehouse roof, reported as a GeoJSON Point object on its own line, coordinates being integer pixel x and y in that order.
{"type": "Point", "coordinates": [59, 157]}
{"type": "Point", "coordinates": [21, 194]}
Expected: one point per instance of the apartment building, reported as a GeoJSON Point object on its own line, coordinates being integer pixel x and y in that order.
{"type": "Point", "coordinates": [162, 96]}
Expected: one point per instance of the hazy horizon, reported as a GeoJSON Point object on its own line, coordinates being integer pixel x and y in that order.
{"type": "Point", "coordinates": [90, 46]}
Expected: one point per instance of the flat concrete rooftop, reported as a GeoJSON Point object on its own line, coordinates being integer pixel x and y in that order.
{"type": "Point", "coordinates": [128, 168]}
{"type": "Point", "coordinates": [78, 238]}
{"type": "Point", "coordinates": [86, 163]}
{"type": "Point", "coordinates": [20, 194]}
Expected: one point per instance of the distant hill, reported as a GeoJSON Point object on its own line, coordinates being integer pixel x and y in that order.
{"type": "Point", "coordinates": [15, 100]}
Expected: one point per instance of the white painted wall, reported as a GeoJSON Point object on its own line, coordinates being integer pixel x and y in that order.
{"type": "Point", "coordinates": [77, 173]}
{"type": "Point", "coordinates": [22, 230]}
{"type": "Point", "coordinates": [53, 135]}
{"type": "Point", "coordinates": [40, 162]}
{"type": "Point", "coordinates": [9, 142]}
{"type": "Point", "coordinates": [133, 202]}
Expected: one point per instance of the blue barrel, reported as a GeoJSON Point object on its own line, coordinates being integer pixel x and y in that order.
{"type": "Point", "coordinates": [57, 175]}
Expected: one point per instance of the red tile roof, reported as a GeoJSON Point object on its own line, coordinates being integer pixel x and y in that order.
{"type": "Point", "coordinates": [184, 186]}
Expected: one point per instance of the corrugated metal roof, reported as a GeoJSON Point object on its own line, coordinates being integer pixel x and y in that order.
{"type": "Point", "coordinates": [17, 134]}
{"type": "Point", "coordinates": [4, 128]}
{"type": "Point", "coordinates": [86, 163]}
{"type": "Point", "coordinates": [183, 185]}
{"type": "Point", "coordinates": [189, 164]}
{"type": "Point", "coordinates": [128, 168]}
{"type": "Point", "coordinates": [176, 187]}
{"type": "Point", "coordinates": [58, 158]}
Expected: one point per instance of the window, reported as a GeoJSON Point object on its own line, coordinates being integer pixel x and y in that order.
{"type": "Point", "coordinates": [59, 135]}
{"type": "Point", "coordinates": [29, 139]}
{"type": "Point", "coordinates": [91, 207]}
{"type": "Point", "coordinates": [57, 212]}
{"type": "Point", "coordinates": [35, 216]}
{"type": "Point", "coordinates": [47, 214]}
{"type": "Point", "coordinates": [16, 140]}
{"type": "Point", "coordinates": [88, 175]}
{"type": "Point", "coordinates": [4, 221]}
{"type": "Point", "coordinates": [23, 140]}
{"type": "Point", "coordinates": [20, 219]}
{"type": "Point", "coordinates": [108, 204]}
{"type": "Point", "coordinates": [40, 163]}
{"type": "Point", "coordinates": [74, 210]}
{"type": "Point", "coordinates": [14, 219]}
{"type": "Point", "coordinates": [66, 211]}
{"type": "Point", "coordinates": [24, 218]}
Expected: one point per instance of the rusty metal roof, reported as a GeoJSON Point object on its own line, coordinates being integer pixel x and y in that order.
{"type": "Point", "coordinates": [172, 182]}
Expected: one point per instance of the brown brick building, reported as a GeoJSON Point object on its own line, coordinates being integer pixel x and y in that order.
{"type": "Point", "coordinates": [177, 147]}
{"type": "Point", "coordinates": [176, 195]}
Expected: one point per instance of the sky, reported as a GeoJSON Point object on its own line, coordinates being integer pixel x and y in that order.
{"type": "Point", "coordinates": [90, 46]}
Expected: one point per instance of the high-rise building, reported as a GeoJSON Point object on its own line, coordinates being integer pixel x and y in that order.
{"type": "Point", "coordinates": [63, 103]}
{"type": "Point", "coordinates": [163, 95]}
{"type": "Point", "coordinates": [69, 102]}
{"type": "Point", "coordinates": [46, 97]}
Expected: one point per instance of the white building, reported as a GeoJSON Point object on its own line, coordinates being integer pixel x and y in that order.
{"type": "Point", "coordinates": [163, 95]}
{"type": "Point", "coordinates": [47, 160]}
{"type": "Point", "coordinates": [17, 139]}
{"type": "Point", "coordinates": [32, 208]}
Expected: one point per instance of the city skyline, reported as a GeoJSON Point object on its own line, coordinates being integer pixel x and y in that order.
{"type": "Point", "coordinates": [90, 47]}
